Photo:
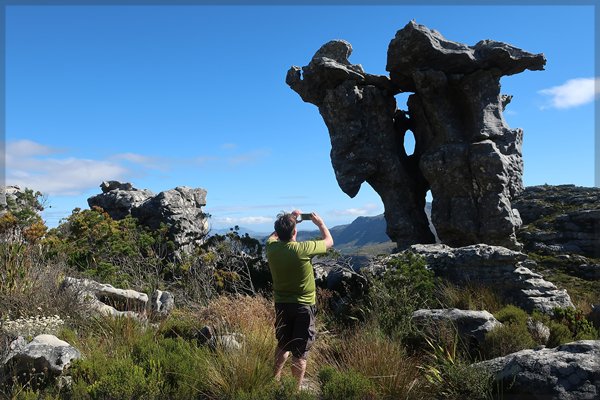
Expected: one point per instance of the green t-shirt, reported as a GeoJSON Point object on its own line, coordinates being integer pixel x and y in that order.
{"type": "Point", "coordinates": [292, 272]}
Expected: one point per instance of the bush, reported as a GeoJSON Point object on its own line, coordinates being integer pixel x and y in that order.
{"type": "Point", "coordinates": [559, 334]}
{"type": "Point", "coordinates": [506, 339]}
{"type": "Point", "coordinates": [470, 297]}
{"type": "Point", "coordinates": [348, 385]}
{"type": "Point", "coordinates": [404, 287]}
{"type": "Point", "coordinates": [512, 315]}
{"type": "Point", "coordinates": [579, 326]}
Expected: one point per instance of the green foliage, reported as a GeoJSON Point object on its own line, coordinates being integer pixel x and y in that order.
{"type": "Point", "coordinates": [472, 296]}
{"type": "Point", "coordinates": [404, 287]}
{"type": "Point", "coordinates": [506, 339]}
{"type": "Point", "coordinates": [450, 377]}
{"type": "Point", "coordinates": [512, 336]}
{"type": "Point", "coordinates": [349, 385]}
{"type": "Point", "coordinates": [101, 247]}
{"type": "Point", "coordinates": [512, 315]}
{"type": "Point", "coordinates": [559, 334]}
{"type": "Point", "coordinates": [579, 326]}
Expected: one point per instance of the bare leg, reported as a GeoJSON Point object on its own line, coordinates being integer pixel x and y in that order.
{"type": "Point", "coordinates": [298, 369]}
{"type": "Point", "coordinates": [280, 358]}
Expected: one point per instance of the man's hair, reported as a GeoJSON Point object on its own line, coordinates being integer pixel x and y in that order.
{"type": "Point", "coordinates": [284, 226]}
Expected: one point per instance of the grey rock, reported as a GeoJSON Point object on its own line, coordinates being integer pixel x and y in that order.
{"type": "Point", "coordinates": [567, 372]}
{"type": "Point", "coordinates": [464, 151]}
{"type": "Point", "coordinates": [161, 303]}
{"type": "Point", "coordinates": [44, 354]}
{"type": "Point", "coordinates": [104, 299]}
{"type": "Point", "coordinates": [539, 332]}
{"type": "Point", "coordinates": [507, 271]}
{"type": "Point", "coordinates": [471, 326]}
{"type": "Point", "coordinates": [563, 219]}
{"type": "Point", "coordinates": [179, 209]}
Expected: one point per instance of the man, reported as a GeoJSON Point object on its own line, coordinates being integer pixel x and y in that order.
{"type": "Point", "coordinates": [294, 289]}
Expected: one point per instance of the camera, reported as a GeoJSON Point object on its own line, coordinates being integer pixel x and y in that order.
{"type": "Point", "coordinates": [305, 217]}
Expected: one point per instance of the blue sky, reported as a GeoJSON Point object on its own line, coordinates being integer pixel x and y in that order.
{"type": "Point", "coordinates": [166, 96]}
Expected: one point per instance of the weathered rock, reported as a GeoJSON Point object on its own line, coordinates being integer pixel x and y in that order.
{"type": "Point", "coordinates": [567, 372]}
{"type": "Point", "coordinates": [562, 219]}
{"type": "Point", "coordinates": [471, 326]}
{"type": "Point", "coordinates": [161, 303]}
{"type": "Point", "coordinates": [179, 209]}
{"type": "Point", "coordinates": [464, 151]}
{"type": "Point", "coordinates": [45, 354]}
{"type": "Point", "coordinates": [105, 299]}
{"type": "Point", "coordinates": [503, 269]}
{"type": "Point", "coordinates": [539, 332]}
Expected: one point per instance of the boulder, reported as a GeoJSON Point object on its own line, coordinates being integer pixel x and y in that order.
{"type": "Point", "coordinates": [505, 270]}
{"type": "Point", "coordinates": [45, 354]}
{"type": "Point", "coordinates": [179, 209]}
{"type": "Point", "coordinates": [471, 326]}
{"type": "Point", "coordinates": [104, 299]}
{"type": "Point", "coordinates": [464, 151]}
{"type": "Point", "coordinates": [567, 372]}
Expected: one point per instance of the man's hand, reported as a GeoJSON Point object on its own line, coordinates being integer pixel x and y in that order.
{"type": "Point", "coordinates": [318, 221]}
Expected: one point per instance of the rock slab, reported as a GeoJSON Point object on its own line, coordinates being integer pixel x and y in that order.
{"type": "Point", "coordinates": [567, 372]}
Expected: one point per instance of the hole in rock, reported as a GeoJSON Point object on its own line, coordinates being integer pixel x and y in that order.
{"type": "Point", "coordinates": [409, 143]}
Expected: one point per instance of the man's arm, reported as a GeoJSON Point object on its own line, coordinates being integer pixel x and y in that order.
{"type": "Point", "coordinates": [273, 237]}
{"type": "Point", "coordinates": [318, 221]}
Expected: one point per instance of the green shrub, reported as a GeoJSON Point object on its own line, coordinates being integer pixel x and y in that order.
{"type": "Point", "coordinates": [512, 315]}
{"type": "Point", "coordinates": [506, 339]}
{"type": "Point", "coordinates": [468, 297]}
{"type": "Point", "coordinates": [451, 377]}
{"type": "Point", "coordinates": [579, 326]}
{"type": "Point", "coordinates": [404, 287]}
{"type": "Point", "coordinates": [559, 334]}
{"type": "Point", "coordinates": [348, 385]}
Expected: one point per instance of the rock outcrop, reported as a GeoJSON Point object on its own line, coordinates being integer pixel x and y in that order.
{"type": "Point", "coordinates": [567, 372]}
{"type": "Point", "coordinates": [464, 151]}
{"type": "Point", "coordinates": [105, 299]}
{"type": "Point", "coordinates": [507, 271]}
{"type": "Point", "coordinates": [179, 209]}
{"type": "Point", "coordinates": [561, 219]}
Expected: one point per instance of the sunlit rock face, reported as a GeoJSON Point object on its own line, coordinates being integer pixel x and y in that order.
{"type": "Point", "coordinates": [464, 151]}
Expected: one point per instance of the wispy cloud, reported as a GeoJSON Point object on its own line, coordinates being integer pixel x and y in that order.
{"type": "Point", "coordinates": [247, 158]}
{"type": "Point", "coordinates": [143, 161]}
{"type": "Point", "coordinates": [40, 167]}
{"type": "Point", "coordinates": [229, 146]}
{"type": "Point", "coordinates": [572, 93]}
{"type": "Point", "coordinates": [368, 208]}
{"type": "Point", "coordinates": [253, 220]}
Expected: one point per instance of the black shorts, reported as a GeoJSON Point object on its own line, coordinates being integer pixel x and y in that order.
{"type": "Point", "coordinates": [295, 327]}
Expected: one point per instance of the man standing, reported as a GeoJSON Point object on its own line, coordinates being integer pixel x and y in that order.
{"type": "Point", "coordinates": [294, 289]}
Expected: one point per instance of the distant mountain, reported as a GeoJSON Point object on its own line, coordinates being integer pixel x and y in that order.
{"type": "Point", "coordinates": [241, 231]}
{"type": "Point", "coordinates": [364, 235]}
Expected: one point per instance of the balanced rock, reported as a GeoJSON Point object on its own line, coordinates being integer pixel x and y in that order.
{"type": "Point", "coordinates": [179, 209]}
{"type": "Point", "coordinates": [567, 372]}
{"type": "Point", "coordinates": [464, 151]}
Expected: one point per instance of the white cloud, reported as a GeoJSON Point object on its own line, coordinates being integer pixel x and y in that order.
{"type": "Point", "coordinates": [35, 166]}
{"type": "Point", "coordinates": [247, 158]}
{"type": "Point", "coordinates": [573, 93]}
{"type": "Point", "coordinates": [368, 208]}
{"type": "Point", "coordinates": [257, 220]}
{"type": "Point", "coordinates": [144, 161]}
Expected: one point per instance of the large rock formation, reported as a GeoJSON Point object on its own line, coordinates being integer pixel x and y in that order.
{"type": "Point", "coordinates": [179, 209]}
{"type": "Point", "coordinates": [567, 372]}
{"type": "Point", "coordinates": [507, 271]}
{"type": "Point", "coordinates": [464, 151]}
{"type": "Point", "coordinates": [561, 219]}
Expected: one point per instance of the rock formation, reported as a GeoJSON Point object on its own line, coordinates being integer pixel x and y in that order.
{"type": "Point", "coordinates": [507, 271]}
{"type": "Point", "coordinates": [179, 209]}
{"type": "Point", "coordinates": [464, 151]}
{"type": "Point", "coordinates": [104, 299]}
{"type": "Point", "coordinates": [45, 354]}
{"type": "Point", "coordinates": [567, 372]}
{"type": "Point", "coordinates": [561, 220]}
